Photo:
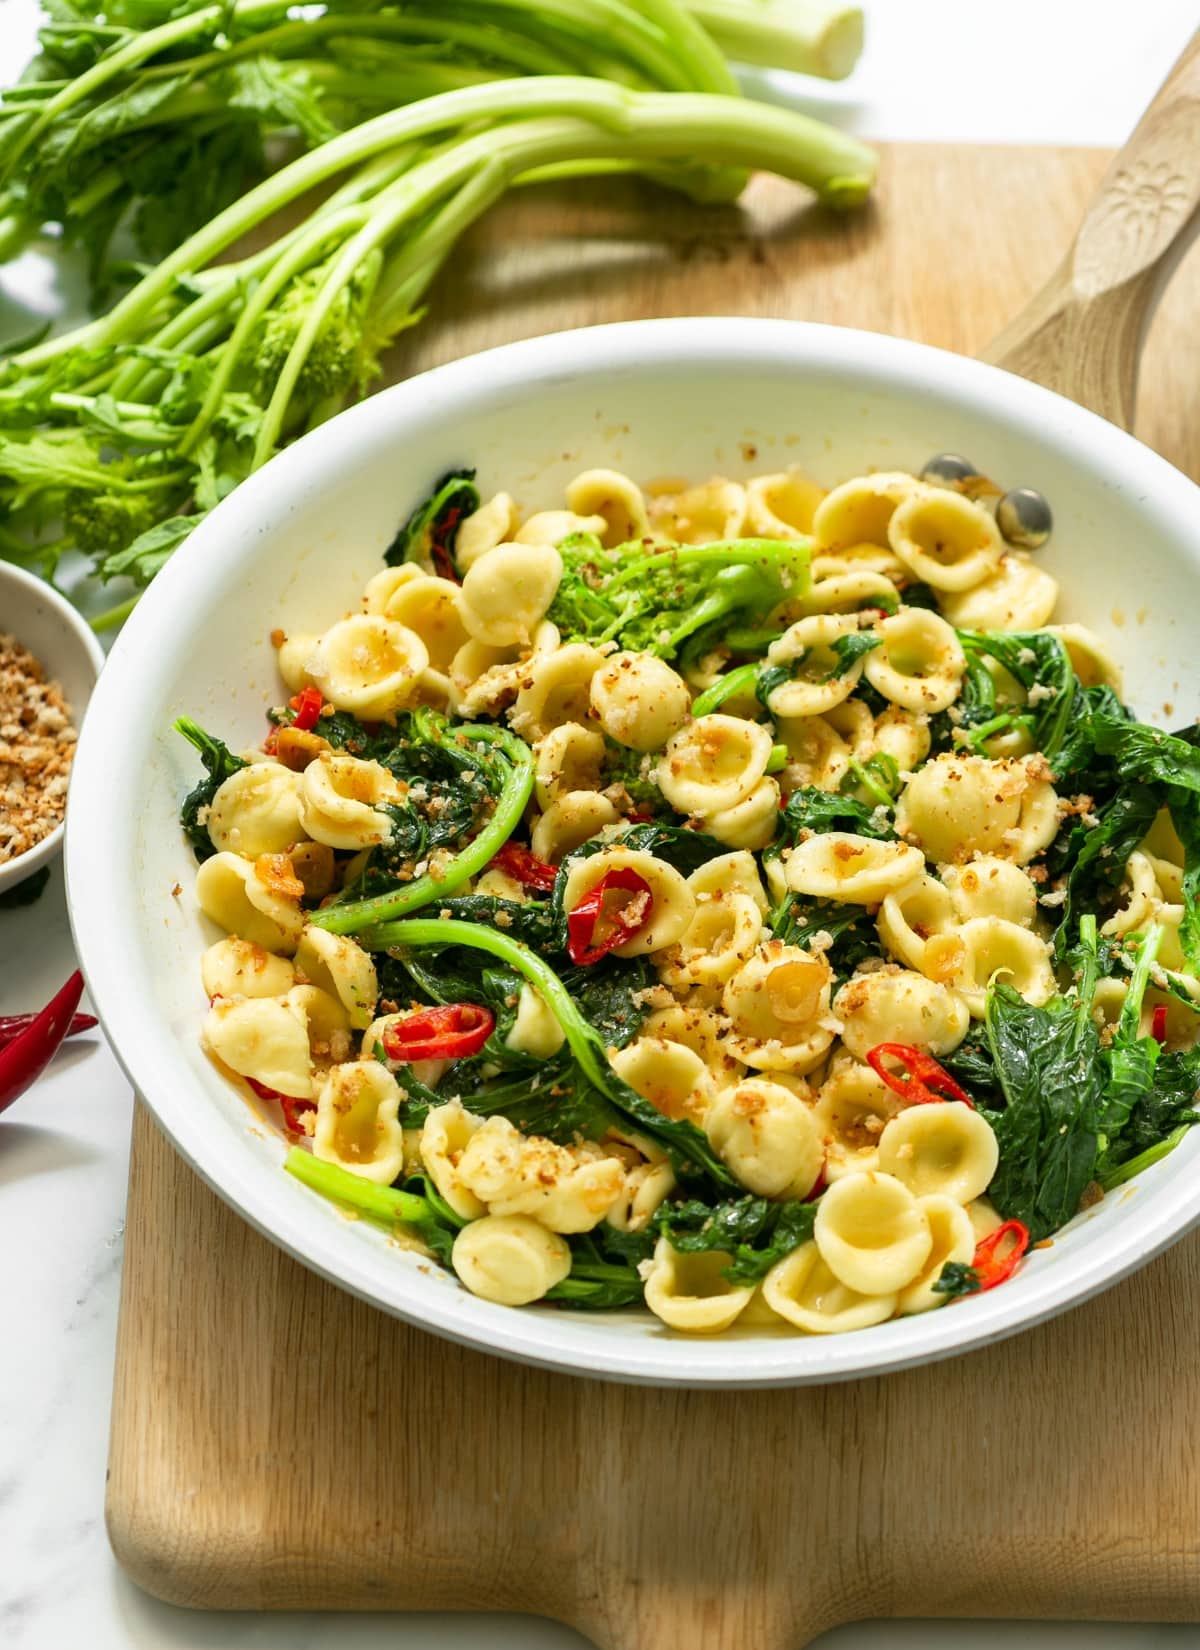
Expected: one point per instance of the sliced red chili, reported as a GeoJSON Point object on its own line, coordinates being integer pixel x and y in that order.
{"type": "Point", "coordinates": [439, 550]}
{"type": "Point", "coordinates": [524, 867]}
{"type": "Point", "coordinates": [1158, 1023]}
{"type": "Point", "coordinates": [453, 1031]}
{"type": "Point", "coordinates": [991, 1268]}
{"type": "Point", "coordinates": [307, 706]}
{"type": "Point", "coordinates": [603, 919]}
{"type": "Point", "coordinates": [292, 1106]}
{"type": "Point", "coordinates": [920, 1080]}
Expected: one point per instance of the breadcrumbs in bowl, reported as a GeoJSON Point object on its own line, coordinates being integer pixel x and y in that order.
{"type": "Point", "coordinates": [49, 662]}
{"type": "Point", "coordinates": [37, 742]}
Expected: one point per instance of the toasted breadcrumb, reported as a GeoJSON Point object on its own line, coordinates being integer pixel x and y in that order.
{"type": "Point", "coordinates": [37, 742]}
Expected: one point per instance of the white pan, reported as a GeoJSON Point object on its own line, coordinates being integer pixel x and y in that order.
{"type": "Point", "coordinates": [293, 546]}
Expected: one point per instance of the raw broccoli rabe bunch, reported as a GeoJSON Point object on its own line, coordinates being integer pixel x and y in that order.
{"type": "Point", "coordinates": [654, 600]}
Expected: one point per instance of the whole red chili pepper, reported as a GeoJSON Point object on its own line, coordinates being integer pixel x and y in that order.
{"type": "Point", "coordinates": [29, 1053]}
{"type": "Point", "coordinates": [1158, 1023]}
{"type": "Point", "coordinates": [991, 1270]}
{"type": "Point", "coordinates": [598, 924]}
{"type": "Point", "coordinates": [12, 1025]}
{"type": "Point", "coordinates": [453, 1031]}
{"type": "Point", "coordinates": [307, 706]}
{"type": "Point", "coordinates": [524, 867]}
{"type": "Point", "coordinates": [292, 1106]}
{"type": "Point", "coordinates": [920, 1080]}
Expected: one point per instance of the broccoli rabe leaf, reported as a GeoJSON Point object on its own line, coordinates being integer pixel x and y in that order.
{"type": "Point", "coordinates": [1093, 857]}
{"type": "Point", "coordinates": [429, 534]}
{"type": "Point", "coordinates": [604, 1270]}
{"type": "Point", "coordinates": [1146, 754]}
{"type": "Point", "coordinates": [219, 763]}
{"type": "Point", "coordinates": [812, 809]}
{"type": "Point", "coordinates": [850, 928]}
{"type": "Point", "coordinates": [753, 1232]}
{"type": "Point", "coordinates": [957, 1279]}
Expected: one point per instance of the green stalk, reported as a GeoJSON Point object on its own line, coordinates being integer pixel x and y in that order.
{"type": "Point", "coordinates": [114, 616]}
{"type": "Point", "coordinates": [742, 680]}
{"type": "Point", "coordinates": [385, 1204]}
{"type": "Point", "coordinates": [1134, 1165]}
{"type": "Point", "coordinates": [356, 915]}
{"type": "Point", "coordinates": [817, 37]}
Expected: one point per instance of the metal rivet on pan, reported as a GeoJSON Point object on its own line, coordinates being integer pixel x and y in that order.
{"type": "Point", "coordinates": [1024, 517]}
{"type": "Point", "coordinates": [949, 470]}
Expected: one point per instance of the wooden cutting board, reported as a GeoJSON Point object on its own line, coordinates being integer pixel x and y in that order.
{"type": "Point", "coordinates": [278, 1445]}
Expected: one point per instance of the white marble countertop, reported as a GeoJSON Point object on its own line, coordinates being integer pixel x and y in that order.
{"type": "Point", "coordinates": [1073, 71]}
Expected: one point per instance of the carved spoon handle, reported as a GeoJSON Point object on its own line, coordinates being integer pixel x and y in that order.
{"type": "Point", "coordinates": [1082, 333]}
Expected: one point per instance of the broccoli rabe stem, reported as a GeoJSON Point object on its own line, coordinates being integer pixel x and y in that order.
{"type": "Point", "coordinates": [742, 680]}
{"type": "Point", "coordinates": [382, 1203]}
{"type": "Point", "coordinates": [355, 916]}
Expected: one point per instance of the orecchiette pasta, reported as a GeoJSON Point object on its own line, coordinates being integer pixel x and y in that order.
{"type": "Point", "coordinates": [368, 665]}
{"type": "Point", "coordinates": [714, 762]}
{"type": "Point", "coordinates": [872, 1233]}
{"type": "Point", "coordinates": [649, 878]}
{"type": "Point", "coordinates": [357, 1124]}
{"type": "Point", "coordinates": [944, 1148]}
{"type": "Point", "coordinates": [509, 1259]}
{"type": "Point", "coordinates": [639, 700]}
{"type": "Point", "coordinates": [691, 1291]}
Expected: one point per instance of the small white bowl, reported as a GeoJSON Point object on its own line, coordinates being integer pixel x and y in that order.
{"type": "Point", "coordinates": [66, 648]}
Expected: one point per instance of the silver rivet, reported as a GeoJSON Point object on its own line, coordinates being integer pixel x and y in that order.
{"type": "Point", "coordinates": [949, 470]}
{"type": "Point", "coordinates": [1024, 517]}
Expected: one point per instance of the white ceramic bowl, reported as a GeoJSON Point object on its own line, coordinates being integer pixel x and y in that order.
{"type": "Point", "coordinates": [64, 644]}
{"type": "Point", "coordinates": [293, 546]}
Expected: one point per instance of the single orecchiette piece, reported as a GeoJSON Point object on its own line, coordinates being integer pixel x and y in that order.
{"type": "Point", "coordinates": [673, 903]}
{"type": "Point", "coordinates": [970, 957]}
{"type": "Point", "coordinates": [368, 665]}
{"type": "Point", "coordinates": [1140, 896]}
{"type": "Point", "coordinates": [701, 515]}
{"type": "Point", "coordinates": [493, 523]}
{"type": "Point", "coordinates": [326, 1021]}
{"type": "Point", "coordinates": [699, 1029]}
{"type": "Point", "coordinates": [507, 591]}
{"type": "Point", "coordinates": [553, 526]}
{"type": "Point", "coordinates": [860, 870]}
{"type": "Point", "coordinates": [782, 506]}
{"type": "Point", "coordinates": [256, 811]}
{"type": "Point", "coordinates": [566, 1188]}
{"type": "Point", "coordinates": [569, 758]}
{"type": "Point", "coordinates": [612, 495]}
{"type": "Point", "coordinates": [735, 873]}
{"type": "Point", "coordinates": [236, 968]}
{"type": "Point", "coordinates": [263, 1038]}
{"type": "Point", "coordinates": [341, 967]}
{"type": "Point", "coordinates": [569, 822]}
{"type": "Point", "coordinates": [817, 754]}
{"type": "Point", "coordinates": [852, 1111]}
{"type": "Point", "coordinates": [844, 592]}
{"type": "Point", "coordinates": [556, 690]}
{"type": "Point", "coordinates": [751, 822]}
{"type": "Point", "coordinates": [1018, 595]}
{"type": "Point", "coordinates": [341, 801]}
{"type": "Point", "coordinates": [945, 540]}
{"type": "Point", "coordinates": [860, 511]}
{"type": "Point", "coordinates": [231, 891]}
{"type": "Point", "coordinates": [1091, 660]}
{"type": "Point", "coordinates": [509, 1259]}
{"type": "Point", "coordinates": [690, 1292]}
{"type": "Point", "coordinates": [382, 586]}
{"type": "Point", "coordinates": [483, 679]}
{"type": "Point", "coordinates": [942, 1146]}
{"type": "Point", "coordinates": [291, 659]}
{"type": "Point", "coordinates": [445, 1135]}
{"type": "Point", "coordinates": [902, 736]}
{"type": "Point", "coordinates": [991, 887]}
{"type": "Point", "coordinates": [919, 662]}
{"type": "Point", "coordinates": [357, 1125]}
{"type": "Point", "coordinates": [897, 1005]}
{"type": "Point", "coordinates": [872, 1233]}
{"type": "Point", "coordinates": [802, 1289]}
{"type": "Point", "coordinates": [432, 608]}
{"type": "Point", "coordinates": [953, 1240]}
{"type": "Point", "coordinates": [820, 678]}
{"type": "Point", "coordinates": [714, 762]}
{"type": "Point", "coordinates": [768, 1137]}
{"type": "Point", "coordinates": [639, 700]}
{"type": "Point", "coordinates": [718, 940]}
{"type": "Point", "coordinates": [673, 1077]}
{"type": "Point", "coordinates": [535, 1030]}
{"type": "Point", "coordinates": [778, 1007]}
{"type": "Point", "coordinates": [958, 806]}
{"type": "Point", "coordinates": [908, 919]}
{"type": "Point", "coordinates": [646, 1186]}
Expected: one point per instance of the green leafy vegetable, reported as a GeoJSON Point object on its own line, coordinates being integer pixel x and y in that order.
{"type": "Point", "coordinates": [956, 1279]}
{"type": "Point", "coordinates": [752, 1231]}
{"type": "Point", "coordinates": [219, 763]}
{"type": "Point", "coordinates": [434, 1223]}
{"type": "Point", "coordinates": [429, 534]}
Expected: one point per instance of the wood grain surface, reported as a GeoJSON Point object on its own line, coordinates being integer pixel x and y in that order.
{"type": "Point", "coordinates": [277, 1444]}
